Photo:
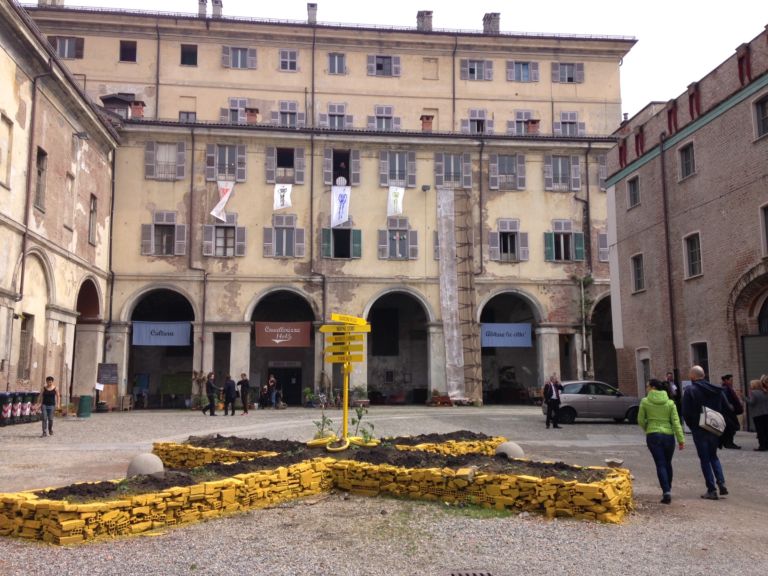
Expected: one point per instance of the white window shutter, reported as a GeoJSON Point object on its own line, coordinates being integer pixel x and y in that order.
{"type": "Point", "coordinates": [494, 252]}
{"type": "Point", "coordinates": [510, 70]}
{"type": "Point", "coordinates": [226, 58]}
{"type": "Point", "coordinates": [180, 240]}
{"type": "Point", "coordinates": [299, 165]}
{"type": "Point", "coordinates": [349, 122]}
{"type": "Point", "coordinates": [383, 242]}
{"type": "Point", "coordinates": [524, 252]}
{"type": "Point", "coordinates": [466, 170]}
{"type": "Point", "coordinates": [488, 70]}
{"type": "Point", "coordinates": [411, 169]}
{"type": "Point", "coordinates": [493, 172]}
{"type": "Point", "coordinates": [240, 168]}
{"type": "Point", "coordinates": [555, 72]}
{"type": "Point", "coordinates": [354, 172]}
{"type": "Point", "coordinates": [371, 61]}
{"type": "Point", "coordinates": [602, 247]}
{"type": "Point", "coordinates": [602, 160]}
{"type": "Point", "coordinates": [579, 73]}
{"type": "Point", "coordinates": [252, 58]}
{"type": "Point", "coordinates": [521, 171]}
{"type": "Point", "coordinates": [210, 162]}
{"type": "Point", "coordinates": [149, 160]}
{"type": "Point", "coordinates": [465, 125]}
{"type": "Point", "coordinates": [268, 242]}
{"type": "Point", "coordinates": [270, 161]}
{"type": "Point", "coordinates": [147, 239]}
{"type": "Point", "coordinates": [548, 179]}
{"type": "Point", "coordinates": [383, 168]}
{"type": "Point", "coordinates": [464, 69]}
{"type": "Point", "coordinates": [328, 166]}
{"type": "Point", "coordinates": [395, 65]}
{"type": "Point", "coordinates": [489, 126]}
{"type": "Point", "coordinates": [575, 173]}
{"type": "Point", "coordinates": [209, 235]}
{"type": "Point", "coordinates": [413, 244]}
{"type": "Point", "coordinates": [181, 160]}
{"type": "Point", "coordinates": [299, 243]}
{"type": "Point", "coordinates": [534, 71]}
{"type": "Point", "coordinates": [439, 174]}
{"type": "Point", "coordinates": [323, 121]}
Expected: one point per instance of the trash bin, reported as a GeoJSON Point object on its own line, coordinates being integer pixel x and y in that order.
{"type": "Point", "coordinates": [16, 398]}
{"type": "Point", "coordinates": [26, 406]}
{"type": "Point", "coordinates": [84, 406]}
{"type": "Point", "coordinates": [34, 408]}
{"type": "Point", "coordinates": [5, 408]}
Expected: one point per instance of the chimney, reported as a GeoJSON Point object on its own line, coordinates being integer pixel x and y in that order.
{"type": "Point", "coordinates": [491, 23]}
{"type": "Point", "coordinates": [202, 8]}
{"type": "Point", "coordinates": [426, 122]}
{"type": "Point", "coordinates": [137, 109]}
{"type": "Point", "coordinates": [217, 5]}
{"type": "Point", "coordinates": [312, 13]}
{"type": "Point", "coordinates": [424, 21]}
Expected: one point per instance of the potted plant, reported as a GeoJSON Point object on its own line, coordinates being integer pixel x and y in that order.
{"type": "Point", "coordinates": [309, 397]}
{"type": "Point", "coordinates": [359, 396]}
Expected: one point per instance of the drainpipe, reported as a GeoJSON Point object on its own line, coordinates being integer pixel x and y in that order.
{"type": "Point", "coordinates": [312, 270]}
{"type": "Point", "coordinates": [481, 194]}
{"type": "Point", "coordinates": [190, 263]}
{"type": "Point", "coordinates": [453, 83]}
{"type": "Point", "coordinates": [28, 200]}
{"type": "Point", "coordinates": [667, 249]}
{"type": "Point", "coordinates": [157, 73]}
{"type": "Point", "coordinates": [586, 226]}
{"type": "Point", "coordinates": [109, 255]}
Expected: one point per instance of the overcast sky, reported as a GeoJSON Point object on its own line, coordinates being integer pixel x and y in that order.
{"type": "Point", "coordinates": [679, 41]}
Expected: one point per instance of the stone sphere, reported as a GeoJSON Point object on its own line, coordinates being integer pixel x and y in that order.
{"type": "Point", "coordinates": [510, 450]}
{"type": "Point", "coordinates": [146, 465]}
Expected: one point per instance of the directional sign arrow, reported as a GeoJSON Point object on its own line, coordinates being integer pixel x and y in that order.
{"type": "Point", "coordinates": [343, 359]}
{"type": "Point", "coordinates": [347, 319]}
{"type": "Point", "coordinates": [344, 338]}
{"type": "Point", "coordinates": [343, 328]}
{"type": "Point", "coordinates": [344, 349]}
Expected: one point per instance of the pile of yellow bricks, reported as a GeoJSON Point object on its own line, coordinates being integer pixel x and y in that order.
{"type": "Point", "coordinates": [30, 515]}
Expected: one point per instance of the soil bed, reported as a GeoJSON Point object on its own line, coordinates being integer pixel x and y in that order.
{"type": "Point", "coordinates": [90, 491]}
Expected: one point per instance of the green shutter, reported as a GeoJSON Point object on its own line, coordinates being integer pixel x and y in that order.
{"type": "Point", "coordinates": [578, 246]}
{"type": "Point", "coordinates": [549, 246]}
{"type": "Point", "coordinates": [357, 243]}
{"type": "Point", "coordinates": [326, 242]}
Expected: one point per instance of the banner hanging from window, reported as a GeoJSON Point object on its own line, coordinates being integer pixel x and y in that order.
{"type": "Point", "coordinates": [282, 196]}
{"type": "Point", "coordinates": [226, 188]}
{"type": "Point", "coordinates": [340, 205]}
{"type": "Point", "coordinates": [283, 334]}
{"type": "Point", "coordinates": [395, 201]}
{"type": "Point", "coordinates": [505, 335]}
{"type": "Point", "coordinates": [161, 333]}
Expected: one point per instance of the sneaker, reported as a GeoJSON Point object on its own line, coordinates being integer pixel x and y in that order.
{"type": "Point", "coordinates": [666, 499]}
{"type": "Point", "coordinates": [723, 490]}
{"type": "Point", "coordinates": [710, 495]}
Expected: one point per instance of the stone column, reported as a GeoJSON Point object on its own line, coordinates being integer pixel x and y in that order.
{"type": "Point", "coordinates": [240, 350]}
{"type": "Point", "coordinates": [118, 352]}
{"type": "Point", "coordinates": [89, 338]}
{"type": "Point", "coordinates": [436, 347]}
{"type": "Point", "coordinates": [206, 349]}
{"type": "Point", "coordinates": [548, 342]}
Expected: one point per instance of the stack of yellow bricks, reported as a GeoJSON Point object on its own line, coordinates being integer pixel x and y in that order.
{"type": "Point", "coordinates": [29, 515]}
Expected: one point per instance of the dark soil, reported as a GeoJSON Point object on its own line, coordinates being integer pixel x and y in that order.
{"type": "Point", "coordinates": [294, 452]}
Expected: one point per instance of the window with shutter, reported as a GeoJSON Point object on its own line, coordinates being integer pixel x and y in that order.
{"type": "Point", "coordinates": [299, 247]}
{"type": "Point", "coordinates": [521, 171]}
{"type": "Point", "coordinates": [413, 244]}
{"type": "Point", "coordinates": [210, 162]}
{"type": "Point", "coordinates": [325, 243]}
{"type": "Point", "coordinates": [383, 168]}
{"type": "Point", "coordinates": [355, 168]}
{"type": "Point", "coordinates": [575, 166]}
{"type": "Point", "coordinates": [147, 239]}
{"type": "Point", "coordinates": [524, 252]}
{"type": "Point", "coordinates": [289, 60]}
{"type": "Point", "coordinates": [602, 161]}
{"type": "Point", "coordinates": [209, 232]}
{"type": "Point", "coordinates": [411, 167]}
{"type": "Point", "coordinates": [493, 246]}
{"type": "Point", "coordinates": [328, 166]}
{"type": "Point", "coordinates": [270, 164]}
{"type": "Point", "coordinates": [149, 160]}
{"type": "Point", "coordinates": [493, 171]}
{"type": "Point", "coordinates": [240, 241]}
{"type": "Point", "coordinates": [337, 63]}
{"type": "Point", "coordinates": [602, 247]}
{"type": "Point", "coordinates": [238, 57]}
{"type": "Point", "coordinates": [383, 244]}
{"type": "Point", "coordinates": [466, 170]}
{"type": "Point", "coordinates": [298, 154]}
{"type": "Point", "coordinates": [180, 247]}
{"type": "Point", "coordinates": [181, 160]}
{"type": "Point", "coordinates": [241, 163]}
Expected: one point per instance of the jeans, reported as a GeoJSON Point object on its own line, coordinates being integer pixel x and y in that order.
{"type": "Point", "coordinates": [48, 418]}
{"type": "Point", "coordinates": [706, 448]}
{"type": "Point", "coordinates": [662, 448]}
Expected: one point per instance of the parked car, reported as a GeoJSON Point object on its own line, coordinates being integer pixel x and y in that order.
{"type": "Point", "coordinates": [593, 399]}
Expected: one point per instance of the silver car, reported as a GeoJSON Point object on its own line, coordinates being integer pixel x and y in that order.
{"type": "Point", "coordinates": [593, 399]}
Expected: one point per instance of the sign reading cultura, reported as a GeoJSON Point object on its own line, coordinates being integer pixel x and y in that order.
{"type": "Point", "coordinates": [282, 334]}
{"type": "Point", "coordinates": [161, 333]}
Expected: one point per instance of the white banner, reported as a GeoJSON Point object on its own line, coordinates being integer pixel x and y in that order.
{"type": "Point", "coordinates": [226, 187]}
{"type": "Point", "coordinates": [340, 205]}
{"type": "Point", "coordinates": [395, 201]}
{"type": "Point", "coordinates": [282, 196]}
{"type": "Point", "coordinates": [161, 333]}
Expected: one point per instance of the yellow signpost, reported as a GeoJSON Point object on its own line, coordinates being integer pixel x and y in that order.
{"type": "Point", "coordinates": [344, 328]}
{"type": "Point", "coordinates": [343, 358]}
{"type": "Point", "coordinates": [347, 319]}
{"type": "Point", "coordinates": [344, 348]}
{"type": "Point", "coordinates": [344, 338]}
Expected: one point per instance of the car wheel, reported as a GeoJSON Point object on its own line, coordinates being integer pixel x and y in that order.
{"type": "Point", "coordinates": [567, 416]}
{"type": "Point", "coordinates": [632, 415]}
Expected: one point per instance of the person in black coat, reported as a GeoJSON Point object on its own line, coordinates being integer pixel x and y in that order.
{"type": "Point", "coordinates": [230, 395]}
{"type": "Point", "coordinates": [211, 390]}
{"type": "Point", "coordinates": [245, 388]}
{"type": "Point", "coordinates": [552, 391]}
{"type": "Point", "coordinates": [733, 407]}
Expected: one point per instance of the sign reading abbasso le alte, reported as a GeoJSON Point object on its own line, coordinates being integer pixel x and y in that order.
{"type": "Point", "coordinates": [505, 335]}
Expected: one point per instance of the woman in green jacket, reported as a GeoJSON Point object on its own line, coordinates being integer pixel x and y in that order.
{"type": "Point", "coordinates": [659, 420]}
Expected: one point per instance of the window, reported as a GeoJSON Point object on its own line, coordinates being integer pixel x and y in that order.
{"type": "Point", "coordinates": [342, 242]}
{"type": "Point", "coordinates": [761, 110]}
{"type": "Point", "coordinates": [524, 123]}
{"type": "Point", "coordinates": [522, 71]}
{"type": "Point", "coordinates": [6, 142]}
{"type": "Point", "coordinates": [164, 161]}
{"type": "Point", "coordinates": [384, 119]}
{"type": "Point", "coordinates": [288, 115]}
{"type": "Point", "coordinates": [289, 60]}
{"type": "Point", "coordinates": [383, 65]}
{"type": "Point", "coordinates": [700, 355]}
{"type": "Point", "coordinates": [337, 63]}
{"type": "Point", "coordinates": [623, 153]}
{"type": "Point", "coordinates": [506, 172]}
{"type": "Point", "coordinates": [476, 69]}
{"type": "Point", "coordinates": [234, 113]}
{"type": "Point", "coordinates": [562, 173]}
{"type": "Point", "coordinates": [41, 167]}
{"type": "Point", "coordinates": [26, 333]}
{"type": "Point", "coordinates": [341, 167]}
{"type": "Point", "coordinates": [633, 192]}
{"type": "Point", "coordinates": [562, 244]}
{"type": "Point", "coordinates": [164, 237]}
{"type": "Point", "coordinates": [764, 227]}
{"type": "Point", "coordinates": [477, 123]}
{"type": "Point", "coordinates": [507, 243]}
{"type": "Point", "coordinates": [68, 47]}
{"type": "Point", "coordinates": [602, 247]}
{"type": "Point", "coordinates": [224, 239]}
{"type": "Point", "coordinates": [92, 220]}
{"type": "Point", "coordinates": [189, 54]}
{"type": "Point", "coordinates": [567, 72]}
{"type": "Point", "coordinates": [692, 256]}
{"type": "Point", "coordinates": [238, 57]}
{"type": "Point", "coordinates": [284, 239]}
{"type": "Point", "coordinates": [185, 116]}
{"type": "Point", "coordinates": [638, 273]}
{"type": "Point", "coordinates": [687, 161]}
{"type": "Point", "coordinates": [602, 161]}
{"type": "Point", "coordinates": [127, 50]}
{"type": "Point", "coordinates": [453, 170]}
{"type": "Point", "coordinates": [284, 165]}
{"type": "Point", "coordinates": [336, 118]}
{"type": "Point", "coordinates": [398, 241]}
{"type": "Point", "coordinates": [569, 125]}
{"type": "Point", "coordinates": [225, 162]}
{"type": "Point", "coordinates": [397, 168]}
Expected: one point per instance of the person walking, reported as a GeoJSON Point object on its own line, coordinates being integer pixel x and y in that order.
{"type": "Point", "coordinates": [272, 383]}
{"type": "Point", "coordinates": [49, 400]}
{"type": "Point", "coordinates": [211, 391]}
{"type": "Point", "coordinates": [230, 395]}
{"type": "Point", "coordinates": [659, 420]}
{"type": "Point", "coordinates": [732, 410]}
{"type": "Point", "coordinates": [552, 390]}
{"type": "Point", "coordinates": [245, 388]}
{"type": "Point", "coordinates": [699, 394]}
{"type": "Point", "coordinates": [758, 410]}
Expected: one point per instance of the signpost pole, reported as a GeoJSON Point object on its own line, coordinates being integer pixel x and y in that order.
{"type": "Point", "coordinates": [345, 408]}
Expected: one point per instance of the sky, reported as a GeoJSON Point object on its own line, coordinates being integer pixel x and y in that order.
{"type": "Point", "coordinates": [678, 41]}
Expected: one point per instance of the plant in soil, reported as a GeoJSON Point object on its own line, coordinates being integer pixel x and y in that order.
{"type": "Point", "coordinates": [356, 421]}
{"type": "Point", "coordinates": [323, 425]}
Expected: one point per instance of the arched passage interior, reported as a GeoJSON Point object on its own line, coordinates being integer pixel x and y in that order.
{"type": "Point", "coordinates": [160, 362]}
{"type": "Point", "coordinates": [603, 350]}
{"type": "Point", "coordinates": [87, 349]}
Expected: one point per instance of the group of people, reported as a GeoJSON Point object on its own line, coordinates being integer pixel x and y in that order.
{"type": "Point", "coordinates": [658, 416]}
{"type": "Point", "coordinates": [270, 394]}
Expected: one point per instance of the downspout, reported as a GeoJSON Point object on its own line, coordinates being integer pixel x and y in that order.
{"type": "Point", "coordinates": [28, 200]}
{"type": "Point", "coordinates": [586, 228]}
{"type": "Point", "coordinates": [190, 263]}
{"type": "Point", "coordinates": [312, 270]}
{"type": "Point", "coordinates": [109, 255]}
{"type": "Point", "coordinates": [453, 83]}
{"type": "Point", "coordinates": [157, 74]}
{"type": "Point", "coordinates": [670, 290]}
{"type": "Point", "coordinates": [481, 198]}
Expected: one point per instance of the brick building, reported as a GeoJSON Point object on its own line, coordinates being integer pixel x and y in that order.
{"type": "Point", "coordinates": [688, 231]}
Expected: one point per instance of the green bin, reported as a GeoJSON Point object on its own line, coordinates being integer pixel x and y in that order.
{"type": "Point", "coordinates": [84, 406]}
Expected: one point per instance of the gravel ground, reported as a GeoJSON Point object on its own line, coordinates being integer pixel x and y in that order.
{"type": "Point", "coordinates": [339, 534]}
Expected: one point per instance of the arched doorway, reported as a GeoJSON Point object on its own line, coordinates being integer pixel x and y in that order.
{"type": "Point", "coordinates": [509, 350]}
{"type": "Point", "coordinates": [762, 319]}
{"type": "Point", "coordinates": [398, 358]}
{"type": "Point", "coordinates": [282, 343]}
{"type": "Point", "coordinates": [603, 350]}
{"type": "Point", "coordinates": [89, 336]}
{"type": "Point", "coordinates": [160, 362]}
{"type": "Point", "coordinates": [748, 311]}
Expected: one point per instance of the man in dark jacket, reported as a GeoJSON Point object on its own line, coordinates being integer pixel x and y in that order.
{"type": "Point", "coordinates": [552, 390]}
{"type": "Point", "coordinates": [211, 390]}
{"type": "Point", "coordinates": [245, 388]}
{"type": "Point", "coordinates": [702, 393]}
{"type": "Point", "coordinates": [230, 395]}
{"type": "Point", "coordinates": [732, 408]}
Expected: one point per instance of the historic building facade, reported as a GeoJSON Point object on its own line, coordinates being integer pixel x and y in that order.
{"type": "Point", "coordinates": [688, 233]}
{"type": "Point", "coordinates": [55, 198]}
{"type": "Point", "coordinates": [437, 183]}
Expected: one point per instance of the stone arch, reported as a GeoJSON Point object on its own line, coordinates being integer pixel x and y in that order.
{"type": "Point", "coordinates": [538, 311]}
{"type": "Point", "coordinates": [47, 267]}
{"type": "Point", "coordinates": [401, 290]}
{"type": "Point", "coordinates": [599, 300]}
{"type": "Point", "coordinates": [256, 300]}
{"type": "Point", "coordinates": [133, 300]}
{"type": "Point", "coordinates": [89, 287]}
